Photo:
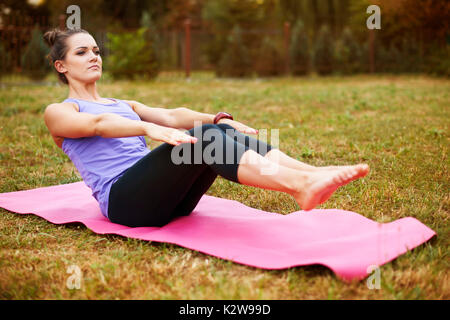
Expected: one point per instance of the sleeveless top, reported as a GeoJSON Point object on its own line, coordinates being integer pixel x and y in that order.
{"type": "Point", "coordinates": [102, 161]}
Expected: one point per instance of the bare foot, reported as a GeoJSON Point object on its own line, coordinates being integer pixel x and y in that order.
{"type": "Point", "coordinates": [322, 184]}
{"type": "Point", "coordinates": [328, 168]}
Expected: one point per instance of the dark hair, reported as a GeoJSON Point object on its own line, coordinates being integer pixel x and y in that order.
{"type": "Point", "coordinates": [56, 39]}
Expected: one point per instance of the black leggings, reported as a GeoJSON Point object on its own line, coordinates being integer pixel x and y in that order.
{"type": "Point", "coordinates": [155, 190]}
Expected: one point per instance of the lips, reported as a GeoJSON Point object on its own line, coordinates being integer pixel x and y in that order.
{"type": "Point", "coordinates": [94, 66]}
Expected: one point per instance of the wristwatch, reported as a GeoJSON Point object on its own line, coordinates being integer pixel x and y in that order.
{"type": "Point", "coordinates": [222, 115]}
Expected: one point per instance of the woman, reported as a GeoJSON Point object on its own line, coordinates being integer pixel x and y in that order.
{"type": "Point", "coordinates": [134, 186]}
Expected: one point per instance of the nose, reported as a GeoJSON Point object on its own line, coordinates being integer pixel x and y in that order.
{"type": "Point", "coordinates": [92, 56]}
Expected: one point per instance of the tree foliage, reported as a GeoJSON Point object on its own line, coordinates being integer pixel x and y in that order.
{"type": "Point", "coordinates": [235, 62]}
{"type": "Point", "coordinates": [300, 57]}
{"type": "Point", "coordinates": [5, 61]}
{"type": "Point", "coordinates": [34, 63]}
{"type": "Point", "coordinates": [324, 52]}
{"type": "Point", "coordinates": [348, 54]}
{"type": "Point", "coordinates": [270, 61]}
{"type": "Point", "coordinates": [134, 60]}
{"type": "Point", "coordinates": [415, 32]}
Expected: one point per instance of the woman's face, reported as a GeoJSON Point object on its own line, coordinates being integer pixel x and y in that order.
{"type": "Point", "coordinates": [83, 53]}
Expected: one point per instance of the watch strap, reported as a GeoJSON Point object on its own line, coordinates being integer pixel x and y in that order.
{"type": "Point", "coordinates": [222, 115]}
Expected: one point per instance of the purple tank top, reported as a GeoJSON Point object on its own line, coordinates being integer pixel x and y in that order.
{"type": "Point", "coordinates": [101, 161]}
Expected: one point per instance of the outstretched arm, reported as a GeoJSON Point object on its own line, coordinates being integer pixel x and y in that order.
{"type": "Point", "coordinates": [181, 118]}
{"type": "Point", "coordinates": [160, 116]}
{"type": "Point", "coordinates": [186, 118]}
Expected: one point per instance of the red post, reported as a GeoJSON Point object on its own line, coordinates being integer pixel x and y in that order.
{"type": "Point", "coordinates": [287, 33]}
{"type": "Point", "coordinates": [187, 51]}
{"type": "Point", "coordinates": [372, 50]}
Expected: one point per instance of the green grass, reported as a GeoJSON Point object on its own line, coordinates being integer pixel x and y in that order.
{"type": "Point", "coordinates": [399, 125]}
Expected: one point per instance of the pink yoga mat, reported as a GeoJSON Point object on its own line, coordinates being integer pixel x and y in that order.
{"type": "Point", "coordinates": [344, 241]}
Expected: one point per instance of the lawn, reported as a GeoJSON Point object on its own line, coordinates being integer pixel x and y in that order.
{"type": "Point", "coordinates": [399, 125]}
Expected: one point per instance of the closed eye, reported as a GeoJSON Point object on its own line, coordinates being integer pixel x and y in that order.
{"type": "Point", "coordinates": [82, 52]}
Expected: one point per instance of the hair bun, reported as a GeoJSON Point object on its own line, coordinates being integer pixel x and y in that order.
{"type": "Point", "coordinates": [50, 36]}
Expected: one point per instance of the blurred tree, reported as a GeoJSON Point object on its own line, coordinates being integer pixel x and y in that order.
{"type": "Point", "coordinates": [133, 61]}
{"type": "Point", "coordinates": [438, 62]}
{"type": "Point", "coordinates": [364, 58]}
{"type": "Point", "coordinates": [425, 23]}
{"type": "Point", "coordinates": [293, 10]}
{"type": "Point", "coordinates": [347, 54]}
{"type": "Point", "coordinates": [420, 30]}
{"type": "Point", "coordinates": [389, 59]}
{"type": "Point", "coordinates": [331, 16]}
{"type": "Point", "coordinates": [222, 15]}
{"type": "Point", "coordinates": [315, 13]}
{"type": "Point", "coordinates": [428, 19]}
{"type": "Point", "coordinates": [151, 35]}
{"type": "Point", "coordinates": [235, 62]}
{"type": "Point", "coordinates": [34, 63]}
{"type": "Point", "coordinates": [180, 10]}
{"type": "Point", "coordinates": [5, 61]}
{"type": "Point", "coordinates": [411, 61]}
{"type": "Point", "coordinates": [22, 8]}
{"type": "Point", "coordinates": [342, 14]}
{"type": "Point", "coordinates": [128, 12]}
{"type": "Point", "coordinates": [299, 54]}
{"type": "Point", "coordinates": [94, 16]}
{"type": "Point", "coordinates": [412, 32]}
{"type": "Point", "coordinates": [357, 19]}
{"type": "Point", "coordinates": [269, 60]}
{"type": "Point", "coordinates": [324, 52]}
{"type": "Point", "coordinates": [305, 10]}
{"type": "Point", "coordinates": [216, 14]}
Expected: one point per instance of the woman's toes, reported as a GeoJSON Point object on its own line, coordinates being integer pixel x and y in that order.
{"type": "Point", "coordinates": [363, 169]}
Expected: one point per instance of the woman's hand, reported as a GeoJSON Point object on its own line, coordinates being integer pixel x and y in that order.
{"type": "Point", "coordinates": [239, 126]}
{"type": "Point", "coordinates": [166, 134]}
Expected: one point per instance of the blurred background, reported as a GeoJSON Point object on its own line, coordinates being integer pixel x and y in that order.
{"type": "Point", "coordinates": [335, 93]}
{"type": "Point", "coordinates": [233, 38]}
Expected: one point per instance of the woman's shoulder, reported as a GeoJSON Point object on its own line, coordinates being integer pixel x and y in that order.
{"type": "Point", "coordinates": [65, 104]}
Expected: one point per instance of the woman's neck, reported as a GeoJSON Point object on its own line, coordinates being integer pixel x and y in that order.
{"type": "Point", "coordinates": [84, 91]}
